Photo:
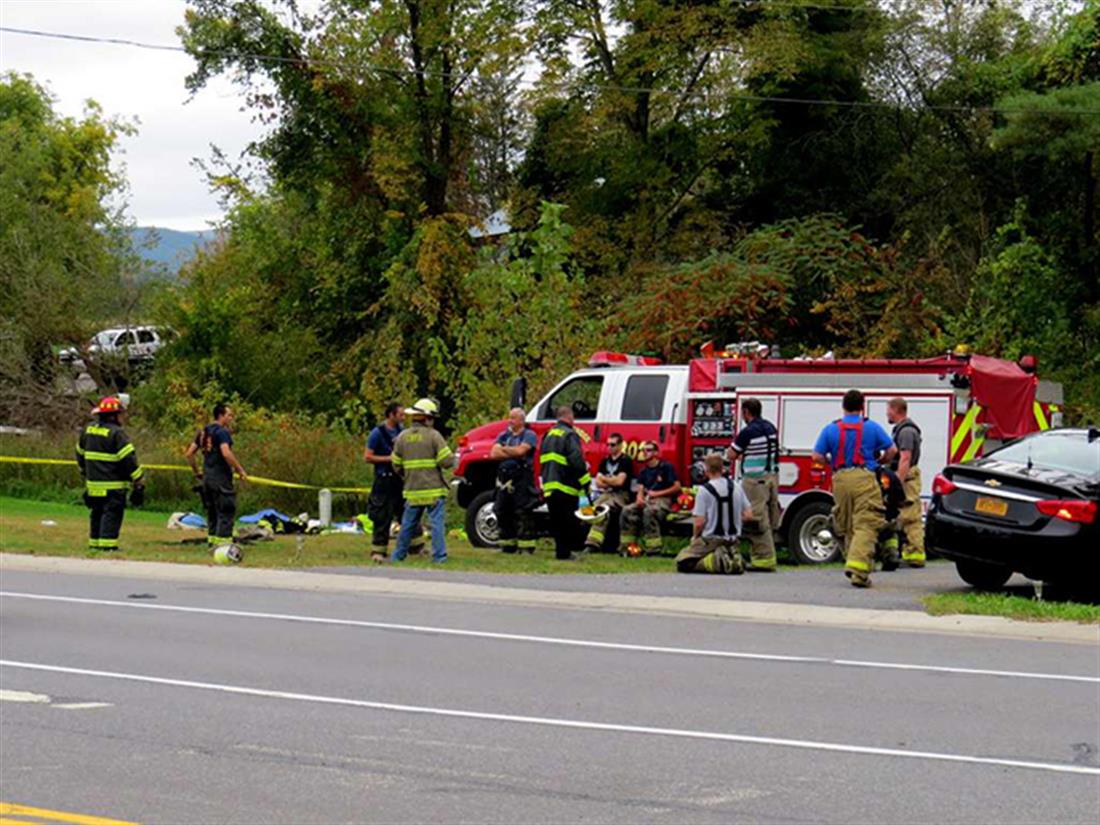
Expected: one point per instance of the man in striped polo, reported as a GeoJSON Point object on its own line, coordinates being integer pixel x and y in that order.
{"type": "Point", "coordinates": [757, 445]}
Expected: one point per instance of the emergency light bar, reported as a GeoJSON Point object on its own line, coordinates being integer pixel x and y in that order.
{"type": "Point", "coordinates": [603, 358]}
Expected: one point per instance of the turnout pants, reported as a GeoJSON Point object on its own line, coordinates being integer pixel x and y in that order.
{"type": "Point", "coordinates": [711, 555]}
{"type": "Point", "coordinates": [642, 522]}
{"type": "Point", "coordinates": [910, 521]}
{"type": "Point", "coordinates": [565, 527]}
{"type": "Point", "coordinates": [386, 505]}
{"type": "Point", "coordinates": [859, 515]}
{"type": "Point", "coordinates": [105, 519]}
{"type": "Point", "coordinates": [763, 495]}
{"type": "Point", "coordinates": [604, 534]}
{"type": "Point", "coordinates": [221, 512]}
{"type": "Point", "coordinates": [513, 502]}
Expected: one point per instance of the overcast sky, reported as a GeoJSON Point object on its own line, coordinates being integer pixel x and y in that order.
{"type": "Point", "coordinates": [165, 189]}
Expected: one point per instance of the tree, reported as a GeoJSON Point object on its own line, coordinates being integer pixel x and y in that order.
{"type": "Point", "coordinates": [63, 248]}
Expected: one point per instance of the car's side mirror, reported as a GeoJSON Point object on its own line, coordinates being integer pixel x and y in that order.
{"type": "Point", "coordinates": [1094, 434]}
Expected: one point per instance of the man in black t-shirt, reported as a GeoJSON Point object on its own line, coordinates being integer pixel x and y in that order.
{"type": "Point", "coordinates": [657, 489]}
{"type": "Point", "coordinates": [218, 465]}
{"type": "Point", "coordinates": [612, 487]}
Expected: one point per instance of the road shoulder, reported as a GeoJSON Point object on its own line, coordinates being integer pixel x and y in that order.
{"type": "Point", "coordinates": [727, 609]}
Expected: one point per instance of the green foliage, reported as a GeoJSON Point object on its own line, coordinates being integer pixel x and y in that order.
{"type": "Point", "coordinates": [63, 249]}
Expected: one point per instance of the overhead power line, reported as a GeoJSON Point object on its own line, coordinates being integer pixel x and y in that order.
{"type": "Point", "coordinates": [565, 84]}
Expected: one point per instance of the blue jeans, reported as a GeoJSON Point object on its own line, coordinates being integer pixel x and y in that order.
{"type": "Point", "coordinates": [411, 520]}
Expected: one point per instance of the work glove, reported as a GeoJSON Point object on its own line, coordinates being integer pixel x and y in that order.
{"type": "Point", "coordinates": [137, 495]}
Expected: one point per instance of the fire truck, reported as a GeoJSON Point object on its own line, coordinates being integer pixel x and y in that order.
{"type": "Point", "coordinates": [963, 404]}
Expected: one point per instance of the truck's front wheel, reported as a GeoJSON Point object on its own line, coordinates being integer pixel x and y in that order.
{"type": "Point", "coordinates": [481, 521]}
{"type": "Point", "coordinates": [810, 537]}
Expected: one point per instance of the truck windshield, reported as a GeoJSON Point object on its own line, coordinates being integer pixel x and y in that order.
{"type": "Point", "coordinates": [582, 394]}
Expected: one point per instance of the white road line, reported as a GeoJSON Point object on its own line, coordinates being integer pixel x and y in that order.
{"type": "Point", "coordinates": [83, 705]}
{"type": "Point", "coordinates": [553, 640]}
{"type": "Point", "coordinates": [801, 744]}
{"type": "Point", "coordinates": [24, 696]}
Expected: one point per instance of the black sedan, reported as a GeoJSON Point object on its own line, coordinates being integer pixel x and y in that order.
{"type": "Point", "coordinates": [1028, 507]}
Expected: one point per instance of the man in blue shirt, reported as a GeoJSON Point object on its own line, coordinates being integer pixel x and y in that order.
{"type": "Point", "coordinates": [657, 489]}
{"type": "Point", "coordinates": [853, 446]}
{"type": "Point", "coordinates": [387, 502]}
{"type": "Point", "coordinates": [757, 445]}
{"type": "Point", "coordinates": [516, 494]}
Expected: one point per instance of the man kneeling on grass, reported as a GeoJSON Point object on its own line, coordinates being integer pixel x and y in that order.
{"type": "Point", "coordinates": [720, 508]}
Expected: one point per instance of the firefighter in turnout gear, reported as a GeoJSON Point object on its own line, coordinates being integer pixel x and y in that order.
{"type": "Point", "coordinates": [907, 438]}
{"type": "Point", "coordinates": [757, 445]}
{"type": "Point", "coordinates": [853, 446]}
{"type": "Point", "coordinates": [420, 455]}
{"type": "Point", "coordinates": [720, 509]}
{"type": "Point", "coordinates": [516, 495]}
{"type": "Point", "coordinates": [565, 476]}
{"type": "Point", "coordinates": [109, 466]}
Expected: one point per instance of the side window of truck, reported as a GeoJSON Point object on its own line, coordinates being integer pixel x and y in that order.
{"type": "Point", "coordinates": [582, 394]}
{"type": "Point", "coordinates": [644, 399]}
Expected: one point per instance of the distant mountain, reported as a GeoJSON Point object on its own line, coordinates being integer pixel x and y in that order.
{"type": "Point", "coordinates": [169, 249]}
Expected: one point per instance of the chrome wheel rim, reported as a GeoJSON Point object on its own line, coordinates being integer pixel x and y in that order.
{"type": "Point", "coordinates": [813, 545]}
{"type": "Point", "coordinates": [486, 522]}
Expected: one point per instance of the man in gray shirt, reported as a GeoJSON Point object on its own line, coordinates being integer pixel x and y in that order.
{"type": "Point", "coordinates": [720, 508]}
{"type": "Point", "coordinates": [907, 438]}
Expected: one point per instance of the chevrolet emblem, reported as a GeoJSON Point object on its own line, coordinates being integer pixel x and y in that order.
{"type": "Point", "coordinates": [992, 482]}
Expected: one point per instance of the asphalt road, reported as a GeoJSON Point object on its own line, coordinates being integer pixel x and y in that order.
{"type": "Point", "coordinates": [899, 590]}
{"type": "Point", "coordinates": [165, 715]}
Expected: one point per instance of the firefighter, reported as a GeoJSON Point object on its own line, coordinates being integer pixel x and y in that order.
{"type": "Point", "coordinates": [386, 503]}
{"type": "Point", "coordinates": [218, 465]}
{"type": "Point", "coordinates": [565, 476]}
{"type": "Point", "coordinates": [757, 445]}
{"type": "Point", "coordinates": [612, 487]}
{"type": "Point", "coordinates": [657, 488]}
{"type": "Point", "coordinates": [853, 446]}
{"type": "Point", "coordinates": [109, 466]}
{"type": "Point", "coordinates": [720, 509]}
{"type": "Point", "coordinates": [516, 495]}
{"type": "Point", "coordinates": [907, 439]}
{"type": "Point", "coordinates": [420, 455]}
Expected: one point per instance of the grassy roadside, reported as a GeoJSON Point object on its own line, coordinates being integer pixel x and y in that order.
{"type": "Point", "coordinates": [1011, 607]}
{"type": "Point", "coordinates": [145, 538]}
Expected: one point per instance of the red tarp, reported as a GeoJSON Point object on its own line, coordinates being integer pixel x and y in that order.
{"type": "Point", "coordinates": [1007, 396]}
{"type": "Point", "coordinates": [703, 374]}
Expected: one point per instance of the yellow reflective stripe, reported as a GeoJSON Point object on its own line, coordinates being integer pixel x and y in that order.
{"type": "Point", "coordinates": [858, 565]}
{"type": "Point", "coordinates": [425, 496]}
{"type": "Point", "coordinates": [1040, 419]}
{"type": "Point", "coordinates": [107, 485]}
{"type": "Point", "coordinates": [972, 450]}
{"type": "Point", "coordinates": [585, 479]}
{"type": "Point", "coordinates": [79, 450]}
{"type": "Point", "coordinates": [554, 458]}
{"type": "Point", "coordinates": [396, 459]}
{"type": "Point", "coordinates": [912, 556]}
{"type": "Point", "coordinates": [92, 455]}
{"type": "Point", "coordinates": [92, 429]}
{"type": "Point", "coordinates": [419, 464]}
{"type": "Point", "coordinates": [444, 452]}
{"type": "Point", "coordinates": [965, 427]}
{"type": "Point", "coordinates": [138, 473]}
{"type": "Point", "coordinates": [555, 431]}
{"type": "Point", "coordinates": [551, 486]}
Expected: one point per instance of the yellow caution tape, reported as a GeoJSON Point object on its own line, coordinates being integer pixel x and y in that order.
{"type": "Point", "coordinates": [266, 482]}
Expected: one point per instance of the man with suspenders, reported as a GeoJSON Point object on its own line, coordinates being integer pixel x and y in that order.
{"type": "Point", "coordinates": [757, 445]}
{"type": "Point", "coordinates": [720, 509]}
{"type": "Point", "coordinates": [853, 446]}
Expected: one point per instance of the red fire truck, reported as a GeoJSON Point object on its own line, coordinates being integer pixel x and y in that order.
{"type": "Point", "coordinates": [961, 402]}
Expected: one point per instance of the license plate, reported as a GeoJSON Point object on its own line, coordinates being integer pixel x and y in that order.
{"type": "Point", "coordinates": [991, 506]}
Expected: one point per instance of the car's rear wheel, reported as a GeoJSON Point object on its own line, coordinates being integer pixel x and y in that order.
{"type": "Point", "coordinates": [981, 575]}
{"type": "Point", "coordinates": [481, 521]}
{"type": "Point", "coordinates": [810, 538]}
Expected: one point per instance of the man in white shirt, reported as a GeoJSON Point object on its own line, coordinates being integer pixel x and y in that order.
{"type": "Point", "coordinates": [720, 509]}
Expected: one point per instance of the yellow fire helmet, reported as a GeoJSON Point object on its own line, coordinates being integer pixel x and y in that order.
{"type": "Point", "coordinates": [425, 407]}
